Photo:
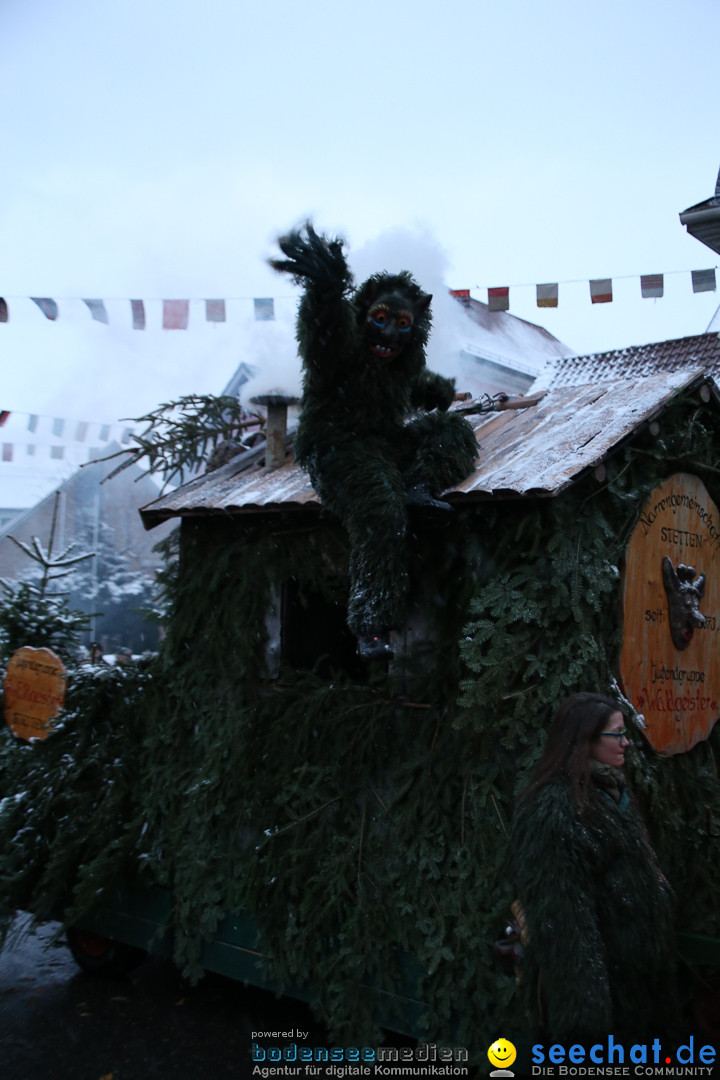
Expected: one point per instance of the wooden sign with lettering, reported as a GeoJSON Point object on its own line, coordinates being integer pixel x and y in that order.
{"type": "Point", "coordinates": [670, 661]}
{"type": "Point", "coordinates": [34, 691]}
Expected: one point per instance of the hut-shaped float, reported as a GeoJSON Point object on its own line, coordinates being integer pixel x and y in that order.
{"type": "Point", "coordinates": [391, 789]}
{"type": "Point", "coordinates": [358, 814]}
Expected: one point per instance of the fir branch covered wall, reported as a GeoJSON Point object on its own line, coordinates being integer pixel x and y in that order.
{"type": "Point", "coordinates": [361, 818]}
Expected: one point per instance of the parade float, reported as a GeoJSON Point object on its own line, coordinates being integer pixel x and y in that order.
{"type": "Point", "coordinates": [260, 800]}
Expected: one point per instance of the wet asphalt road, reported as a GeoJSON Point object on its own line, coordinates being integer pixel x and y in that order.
{"type": "Point", "coordinates": [59, 1023]}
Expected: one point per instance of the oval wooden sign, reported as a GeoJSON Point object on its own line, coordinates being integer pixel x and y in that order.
{"type": "Point", "coordinates": [670, 661]}
{"type": "Point", "coordinates": [34, 691]}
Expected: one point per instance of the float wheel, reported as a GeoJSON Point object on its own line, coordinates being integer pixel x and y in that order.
{"type": "Point", "coordinates": [102, 955]}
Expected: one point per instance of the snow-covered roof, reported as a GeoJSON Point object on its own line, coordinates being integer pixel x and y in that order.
{"type": "Point", "coordinates": [507, 339]}
{"type": "Point", "coordinates": [633, 362]}
{"type": "Point", "coordinates": [534, 451]}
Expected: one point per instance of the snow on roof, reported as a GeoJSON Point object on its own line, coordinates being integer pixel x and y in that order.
{"type": "Point", "coordinates": [534, 451]}
{"type": "Point", "coordinates": [633, 362]}
{"type": "Point", "coordinates": [509, 339]}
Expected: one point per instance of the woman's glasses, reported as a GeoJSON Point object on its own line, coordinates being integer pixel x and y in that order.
{"type": "Point", "coordinates": [615, 734]}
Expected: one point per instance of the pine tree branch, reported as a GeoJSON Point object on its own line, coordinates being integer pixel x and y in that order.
{"type": "Point", "coordinates": [179, 435]}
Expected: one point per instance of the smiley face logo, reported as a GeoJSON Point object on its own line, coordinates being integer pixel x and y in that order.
{"type": "Point", "coordinates": [502, 1053]}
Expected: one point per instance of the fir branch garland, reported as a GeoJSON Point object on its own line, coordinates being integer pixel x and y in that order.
{"type": "Point", "coordinates": [360, 820]}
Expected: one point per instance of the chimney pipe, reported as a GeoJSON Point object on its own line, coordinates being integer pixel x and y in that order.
{"type": "Point", "coordinates": [276, 426]}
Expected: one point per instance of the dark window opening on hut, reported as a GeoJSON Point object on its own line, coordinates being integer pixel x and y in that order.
{"type": "Point", "coordinates": [314, 633]}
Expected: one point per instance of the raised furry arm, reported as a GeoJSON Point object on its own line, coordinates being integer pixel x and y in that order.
{"type": "Point", "coordinates": [315, 261]}
{"type": "Point", "coordinates": [325, 323]}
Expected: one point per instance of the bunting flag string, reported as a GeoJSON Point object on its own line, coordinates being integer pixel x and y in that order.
{"type": "Point", "coordinates": [652, 286]}
{"type": "Point", "coordinates": [71, 436]}
{"type": "Point", "coordinates": [176, 313]}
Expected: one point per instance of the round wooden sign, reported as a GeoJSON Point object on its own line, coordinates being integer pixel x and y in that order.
{"type": "Point", "coordinates": [34, 691]}
{"type": "Point", "coordinates": [670, 661]}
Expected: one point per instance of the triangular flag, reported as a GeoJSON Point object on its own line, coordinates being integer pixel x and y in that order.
{"type": "Point", "coordinates": [547, 295]}
{"type": "Point", "coordinates": [215, 311]}
{"type": "Point", "coordinates": [499, 299]}
{"type": "Point", "coordinates": [703, 280]}
{"type": "Point", "coordinates": [264, 309]}
{"type": "Point", "coordinates": [601, 291]}
{"type": "Point", "coordinates": [4, 315]}
{"type": "Point", "coordinates": [175, 314]}
{"type": "Point", "coordinates": [138, 314]}
{"type": "Point", "coordinates": [97, 310]}
{"type": "Point", "coordinates": [48, 307]}
{"type": "Point", "coordinates": [652, 285]}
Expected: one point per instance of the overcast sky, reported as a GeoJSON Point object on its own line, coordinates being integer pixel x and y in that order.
{"type": "Point", "coordinates": [154, 149]}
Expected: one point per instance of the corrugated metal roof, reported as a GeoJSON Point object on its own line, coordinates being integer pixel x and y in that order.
{"type": "Point", "coordinates": [539, 450]}
{"type": "Point", "coordinates": [702, 350]}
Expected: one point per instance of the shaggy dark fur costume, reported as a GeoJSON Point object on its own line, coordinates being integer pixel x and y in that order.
{"type": "Point", "coordinates": [598, 915]}
{"type": "Point", "coordinates": [365, 435]}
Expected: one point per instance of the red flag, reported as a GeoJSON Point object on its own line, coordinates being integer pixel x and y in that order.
{"type": "Point", "coordinates": [175, 314]}
{"type": "Point", "coordinates": [601, 291]}
{"type": "Point", "coordinates": [499, 299]}
{"type": "Point", "coordinates": [461, 294]}
{"type": "Point", "coordinates": [4, 414]}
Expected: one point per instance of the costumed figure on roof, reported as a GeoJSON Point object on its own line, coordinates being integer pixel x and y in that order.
{"type": "Point", "coordinates": [374, 432]}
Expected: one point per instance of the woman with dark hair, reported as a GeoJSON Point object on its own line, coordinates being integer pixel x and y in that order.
{"type": "Point", "coordinates": [599, 952]}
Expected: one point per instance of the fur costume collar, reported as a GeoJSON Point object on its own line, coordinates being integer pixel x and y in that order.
{"type": "Point", "coordinates": [608, 779]}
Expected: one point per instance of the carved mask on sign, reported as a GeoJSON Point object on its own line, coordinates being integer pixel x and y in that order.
{"type": "Point", "coordinates": [683, 597]}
